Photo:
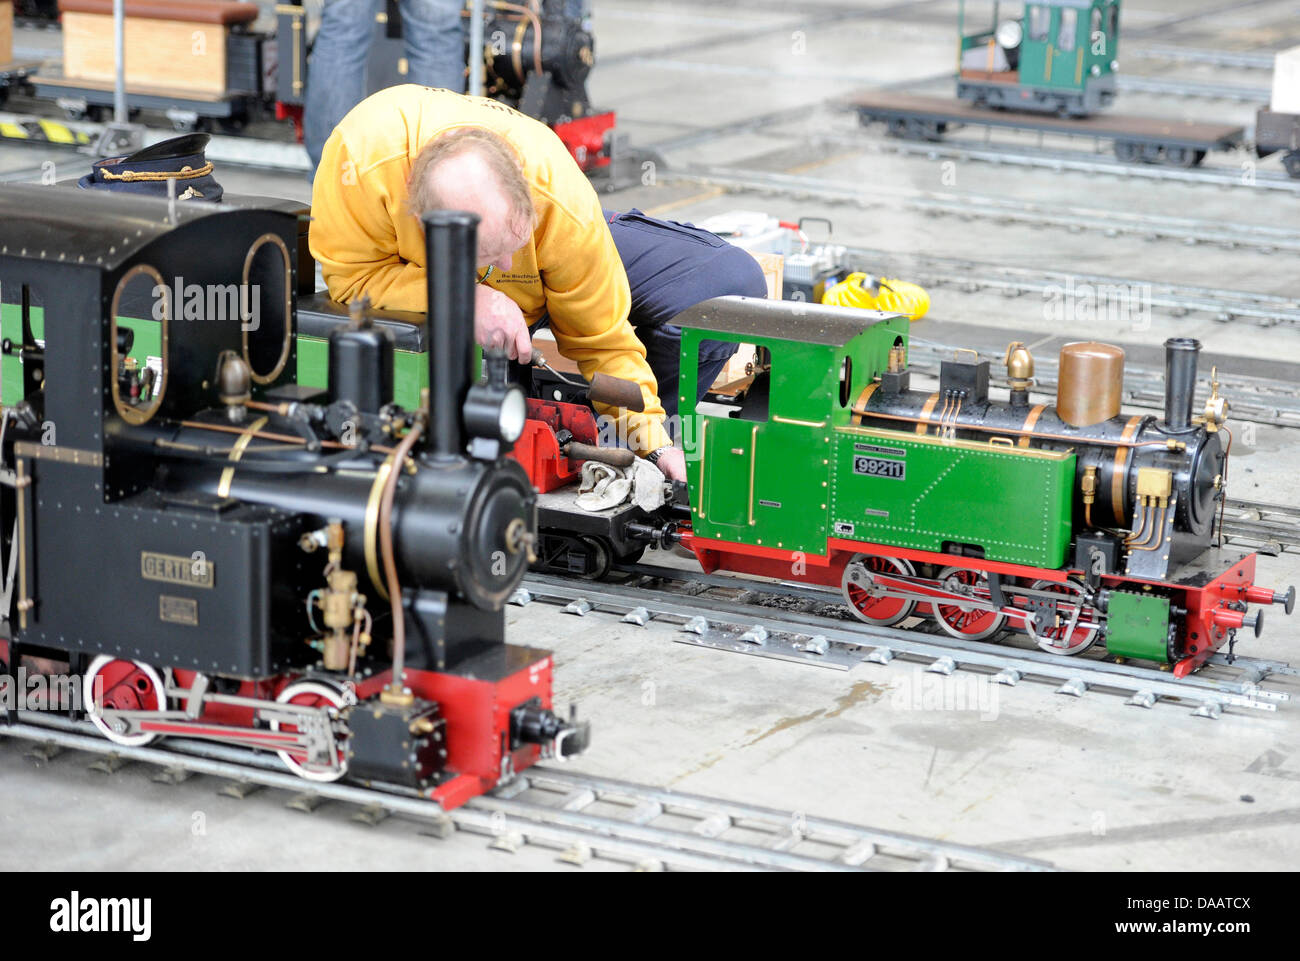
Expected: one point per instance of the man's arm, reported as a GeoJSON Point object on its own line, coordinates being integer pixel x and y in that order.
{"type": "Point", "coordinates": [353, 237]}
{"type": "Point", "coordinates": [588, 299]}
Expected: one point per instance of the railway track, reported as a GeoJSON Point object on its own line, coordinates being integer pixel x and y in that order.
{"type": "Point", "coordinates": [1093, 163]}
{"type": "Point", "coordinates": [1268, 528]}
{"type": "Point", "coordinates": [1267, 310]}
{"type": "Point", "coordinates": [1215, 58]}
{"type": "Point", "coordinates": [581, 816]}
{"type": "Point", "coordinates": [758, 618]}
{"type": "Point", "coordinates": [1111, 223]}
{"type": "Point", "coordinates": [667, 62]}
{"type": "Point", "coordinates": [1135, 83]}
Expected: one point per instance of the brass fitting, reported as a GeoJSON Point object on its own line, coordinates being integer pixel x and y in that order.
{"type": "Point", "coordinates": [334, 541]}
{"type": "Point", "coordinates": [234, 379]}
{"type": "Point", "coordinates": [394, 693]}
{"type": "Point", "coordinates": [1020, 366]}
{"type": "Point", "coordinates": [1089, 485]}
{"type": "Point", "coordinates": [1216, 407]}
{"type": "Point", "coordinates": [1155, 483]}
{"type": "Point", "coordinates": [338, 601]}
{"type": "Point", "coordinates": [519, 539]}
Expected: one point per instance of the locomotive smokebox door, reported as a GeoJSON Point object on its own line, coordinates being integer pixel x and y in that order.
{"type": "Point", "coordinates": [396, 743]}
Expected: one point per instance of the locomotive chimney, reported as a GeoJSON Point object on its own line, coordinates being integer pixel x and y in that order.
{"type": "Point", "coordinates": [1180, 381]}
{"type": "Point", "coordinates": [451, 249]}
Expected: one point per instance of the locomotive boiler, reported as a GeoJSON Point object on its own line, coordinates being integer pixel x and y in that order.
{"type": "Point", "coordinates": [1163, 477]}
{"type": "Point", "coordinates": [232, 557]}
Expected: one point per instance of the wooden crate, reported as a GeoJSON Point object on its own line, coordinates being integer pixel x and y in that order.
{"type": "Point", "coordinates": [178, 55]}
{"type": "Point", "coordinates": [6, 32]}
{"type": "Point", "coordinates": [773, 272]}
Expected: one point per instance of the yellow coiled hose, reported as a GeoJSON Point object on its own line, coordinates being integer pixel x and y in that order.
{"type": "Point", "coordinates": [879, 293]}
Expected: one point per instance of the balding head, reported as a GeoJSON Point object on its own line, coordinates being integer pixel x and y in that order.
{"type": "Point", "coordinates": [475, 170]}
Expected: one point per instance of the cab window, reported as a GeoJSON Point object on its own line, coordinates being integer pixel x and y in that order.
{"type": "Point", "coordinates": [1065, 36]}
{"type": "Point", "coordinates": [1040, 23]}
{"type": "Point", "coordinates": [747, 399]}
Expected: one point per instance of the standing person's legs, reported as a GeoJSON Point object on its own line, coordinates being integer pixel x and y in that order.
{"type": "Point", "coordinates": [336, 73]}
{"type": "Point", "coordinates": [435, 43]}
{"type": "Point", "coordinates": [670, 267]}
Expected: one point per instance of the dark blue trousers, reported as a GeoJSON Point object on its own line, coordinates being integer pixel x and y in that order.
{"type": "Point", "coordinates": [672, 266]}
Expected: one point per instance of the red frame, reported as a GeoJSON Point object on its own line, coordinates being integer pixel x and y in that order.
{"type": "Point", "coordinates": [538, 450]}
{"type": "Point", "coordinates": [1205, 628]}
{"type": "Point", "coordinates": [585, 139]}
{"type": "Point", "coordinates": [477, 713]}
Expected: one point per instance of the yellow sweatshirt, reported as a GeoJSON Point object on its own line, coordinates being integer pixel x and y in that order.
{"type": "Point", "coordinates": [368, 242]}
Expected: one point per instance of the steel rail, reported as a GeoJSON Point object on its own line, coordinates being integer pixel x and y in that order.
{"type": "Point", "coordinates": [1134, 83]}
{"type": "Point", "coordinates": [512, 820]}
{"type": "Point", "coordinates": [849, 837]}
{"type": "Point", "coordinates": [1111, 223]}
{"type": "Point", "coordinates": [1274, 528]}
{"type": "Point", "coordinates": [665, 61]}
{"type": "Point", "coordinates": [1216, 58]}
{"type": "Point", "coordinates": [1226, 305]}
{"type": "Point", "coordinates": [1061, 162]}
{"type": "Point", "coordinates": [815, 639]}
{"type": "Point", "coordinates": [1248, 669]}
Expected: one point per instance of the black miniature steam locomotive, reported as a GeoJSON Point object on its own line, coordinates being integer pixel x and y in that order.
{"type": "Point", "coordinates": [231, 557]}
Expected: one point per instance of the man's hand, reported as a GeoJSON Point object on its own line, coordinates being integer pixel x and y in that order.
{"type": "Point", "coordinates": [498, 322]}
{"type": "Point", "coordinates": [672, 463]}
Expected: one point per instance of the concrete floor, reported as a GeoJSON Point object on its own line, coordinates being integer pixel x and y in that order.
{"type": "Point", "coordinates": [1087, 783]}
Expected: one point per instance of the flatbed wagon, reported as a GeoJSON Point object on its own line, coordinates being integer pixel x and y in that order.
{"type": "Point", "coordinates": [1181, 143]}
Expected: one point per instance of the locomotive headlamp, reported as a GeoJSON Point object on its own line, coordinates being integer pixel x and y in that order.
{"type": "Point", "coordinates": [495, 409]}
{"type": "Point", "coordinates": [496, 413]}
{"type": "Point", "coordinates": [512, 415]}
{"type": "Point", "coordinates": [1009, 34]}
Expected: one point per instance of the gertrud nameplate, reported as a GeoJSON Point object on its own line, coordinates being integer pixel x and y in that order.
{"type": "Point", "coordinates": [174, 569]}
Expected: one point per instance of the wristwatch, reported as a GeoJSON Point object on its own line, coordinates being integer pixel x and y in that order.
{"type": "Point", "coordinates": [654, 455]}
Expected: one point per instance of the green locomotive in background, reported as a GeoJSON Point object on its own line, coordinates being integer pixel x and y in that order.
{"type": "Point", "coordinates": [1054, 56]}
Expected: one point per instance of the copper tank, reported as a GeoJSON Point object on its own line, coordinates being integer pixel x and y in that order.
{"type": "Point", "coordinates": [1090, 383]}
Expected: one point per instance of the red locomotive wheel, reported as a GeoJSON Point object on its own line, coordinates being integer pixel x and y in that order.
{"type": "Point", "coordinates": [119, 685]}
{"type": "Point", "coordinates": [316, 693]}
{"type": "Point", "coordinates": [863, 600]}
{"type": "Point", "coordinates": [968, 623]}
{"type": "Point", "coordinates": [1085, 631]}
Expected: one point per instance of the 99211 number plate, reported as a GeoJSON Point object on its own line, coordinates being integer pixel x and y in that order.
{"type": "Point", "coordinates": [879, 467]}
